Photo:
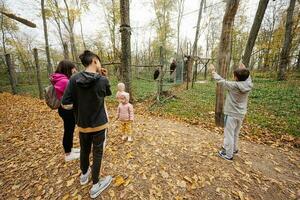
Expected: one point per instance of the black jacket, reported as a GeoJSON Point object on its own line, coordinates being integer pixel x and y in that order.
{"type": "Point", "coordinates": [85, 93]}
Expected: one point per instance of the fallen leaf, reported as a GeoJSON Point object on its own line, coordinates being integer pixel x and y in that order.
{"type": "Point", "coordinates": [70, 182]}
{"type": "Point", "coordinates": [119, 180]}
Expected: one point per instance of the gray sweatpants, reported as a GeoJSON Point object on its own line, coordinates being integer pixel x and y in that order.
{"type": "Point", "coordinates": [231, 134]}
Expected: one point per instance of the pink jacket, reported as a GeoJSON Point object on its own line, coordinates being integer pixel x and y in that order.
{"type": "Point", "coordinates": [125, 112]}
{"type": "Point", "coordinates": [60, 82]}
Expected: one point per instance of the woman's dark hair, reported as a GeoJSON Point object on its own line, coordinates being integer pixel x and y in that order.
{"type": "Point", "coordinates": [241, 74]}
{"type": "Point", "coordinates": [65, 67]}
{"type": "Point", "coordinates": [87, 57]}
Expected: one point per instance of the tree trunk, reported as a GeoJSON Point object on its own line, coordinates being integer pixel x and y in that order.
{"type": "Point", "coordinates": [298, 62]}
{"type": "Point", "coordinates": [71, 34]}
{"type": "Point", "coordinates": [38, 72]}
{"type": "Point", "coordinates": [285, 51]}
{"type": "Point", "coordinates": [223, 59]}
{"type": "Point", "coordinates": [180, 4]}
{"type": "Point", "coordinates": [195, 43]}
{"type": "Point", "coordinates": [262, 6]}
{"type": "Point", "coordinates": [66, 51]}
{"type": "Point", "coordinates": [3, 34]}
{"type": "Point", "coordinates": [49, 65]}
{"type": "Point", "coordinates": [11, 73]}
{"type": "Point", "coordinates": [125, 42]}
{"type": "Point", "coordinates": [19, 19]}
{"type": "Point", "coordinates": [82, 36]}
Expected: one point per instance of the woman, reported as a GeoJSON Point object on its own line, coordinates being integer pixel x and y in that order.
{"type": "Point", "coordinates": [60, 80]}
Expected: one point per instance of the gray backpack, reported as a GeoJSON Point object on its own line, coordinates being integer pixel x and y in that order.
{"type": "Point", "coordinates": [50, 97]}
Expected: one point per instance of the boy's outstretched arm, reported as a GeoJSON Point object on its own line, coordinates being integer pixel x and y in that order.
{"type": "Point", "coordinates": [227, 84]}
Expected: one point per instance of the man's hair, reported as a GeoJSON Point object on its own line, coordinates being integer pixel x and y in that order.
{"type": "Point", "coordinates": [87, 57]}
{"type": "Point", "coordinates": [241, 74]}
{"type": "Point", "coordinates": [65, 67]}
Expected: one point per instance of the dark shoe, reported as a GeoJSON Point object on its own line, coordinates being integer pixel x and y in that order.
{"type": "Point", "coordinates": [223, 155]}
{"type": "Point", "coordinates": [223, 149]}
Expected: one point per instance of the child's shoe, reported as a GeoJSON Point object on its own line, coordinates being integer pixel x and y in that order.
{"type": "Point", "coordinates": [84, 178]}
{"type": "Point", "coordinates": [223, 150]}
{"type": "Point", "coordinates": [100, 186]}
{"type": "Point", "coordinates": [76, 150]}
{"type": "Point", "coordinates": [129, 139]}
{"type": "Point", "coordinates": [223, 155]}
{"type": "Point", "coordinates": [72, 156]}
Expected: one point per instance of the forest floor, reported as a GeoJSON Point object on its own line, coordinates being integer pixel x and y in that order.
{"type": "Point", "coordinates": [168, 159]}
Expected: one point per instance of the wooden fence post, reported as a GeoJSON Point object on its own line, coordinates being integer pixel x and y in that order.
{"type": "Point", "coordinates": [38, 72]}
{"type": "Point", "coordinates": [11, 73]}
{"type": "Point", "coordinates": [161, 74]}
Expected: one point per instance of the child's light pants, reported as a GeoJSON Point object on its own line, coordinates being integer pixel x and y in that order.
{"type": "Point", "coordinates": [231, 134]}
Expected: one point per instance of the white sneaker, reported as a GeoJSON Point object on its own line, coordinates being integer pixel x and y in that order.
{"type": "Point", "coordinates": [124, 137]}
{"type": "Point", "coordinates": [72, 156]}
{"type": "Point", "coordinates": [129, 139]}
{"type": "Point", "coordinates": [75, 150]}
{"type": "Point", "coordinates": [100, 186]}
{"type": "Point", "coordinates": [84, 178]}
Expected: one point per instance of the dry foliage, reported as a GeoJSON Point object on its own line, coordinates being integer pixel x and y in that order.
{"type": "Point", "coordinates": [168, 159]}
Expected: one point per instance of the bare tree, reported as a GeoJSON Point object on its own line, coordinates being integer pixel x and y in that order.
{"type": "Point", "coordinates": [126, 50]}
{"type": "Point", "coordinates": [260, 12]}
{"type": "Point", "coordinates": [284, 55]}
{"type": "Point", "coordinates": [223, 59]}
{"type": "Point", "coordinates": [180, 9]}
{"type": "Point", "coordinates": [49, 65]}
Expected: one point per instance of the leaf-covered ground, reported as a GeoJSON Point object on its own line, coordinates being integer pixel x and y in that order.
{"type": "Point", "coordinates": [168, 159]}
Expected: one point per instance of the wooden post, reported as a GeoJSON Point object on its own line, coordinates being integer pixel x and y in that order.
{"type": "Point", "coordinates": [223, 60]}
{"type": "Point", "coordinates": [38, 72]}
{"type": "Point", "coordinates": [66, 51]}
{"type": "Point", "coordinates": [125, 45]}
{"type": "Point", "coordinates": [160, 82]}
{"type": "Point", "coordinates": [11, 73]}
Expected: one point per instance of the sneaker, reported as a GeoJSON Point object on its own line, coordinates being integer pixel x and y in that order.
{"type": "Point", "coordinates": [76, 150]}
{"type": "Point", "coordinates": [129, 139]}
{"type": "Point", "coordinates": [223, 155]}
{"type": "Point", "coordinates": [84, 178]}
{"type": "Point", "coordinates": [100, 187]}
{"type": "Point", "coordinates": [223, 149]}
{"type": "Point", "coordinates": [72, 156]}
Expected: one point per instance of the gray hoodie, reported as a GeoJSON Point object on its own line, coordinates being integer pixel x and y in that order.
{"type": "Point", "coordinates": [237, 97]}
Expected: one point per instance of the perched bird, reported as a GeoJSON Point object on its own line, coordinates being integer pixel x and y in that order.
{"type": "Point", "coordinates": [173, 66]}
{"type": "Point", "coordinates": [156, 74]}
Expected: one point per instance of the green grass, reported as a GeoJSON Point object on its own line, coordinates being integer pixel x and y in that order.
{"type": "Point", "coordinates": [273, 105]}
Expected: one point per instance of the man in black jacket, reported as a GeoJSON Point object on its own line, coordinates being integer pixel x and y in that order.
{"type": "Point", "coordinates": [85, 93]}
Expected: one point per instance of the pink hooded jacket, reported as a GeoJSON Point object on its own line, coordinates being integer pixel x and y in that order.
{"type": "Point", "coordinates": [125, 110]}
{"type": "Point", "coordinates": [60, 82]}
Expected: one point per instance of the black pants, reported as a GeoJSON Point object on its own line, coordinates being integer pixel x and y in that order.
{"type": "Point", "coordinates": [69, 126]}
{"type": "Point", "coordinates": [86, 141]}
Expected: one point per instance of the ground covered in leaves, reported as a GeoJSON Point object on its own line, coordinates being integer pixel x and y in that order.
{"type": "Point", "coordinates": [168, 159]}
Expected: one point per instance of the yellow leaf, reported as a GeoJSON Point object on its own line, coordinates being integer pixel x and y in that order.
{"type": "Point", "coordinates": [119, 181]}
{"type": "Point", "coordinates": [70, 182]}
{"type": "Point", "coordinates": [278, 169]}
{"type": "Point", "coordinates": [66, 197]}
{"type": "Point", "coordinates": [188, 179]}
{"type": "Point", "coordinates": [164, 174]}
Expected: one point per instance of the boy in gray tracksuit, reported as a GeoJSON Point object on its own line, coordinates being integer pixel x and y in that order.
{"type": "Point", "coordinates": [235, 108]}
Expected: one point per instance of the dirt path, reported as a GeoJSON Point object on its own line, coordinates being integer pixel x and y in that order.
{"type": "Point", "coordinates": [167, 160]}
